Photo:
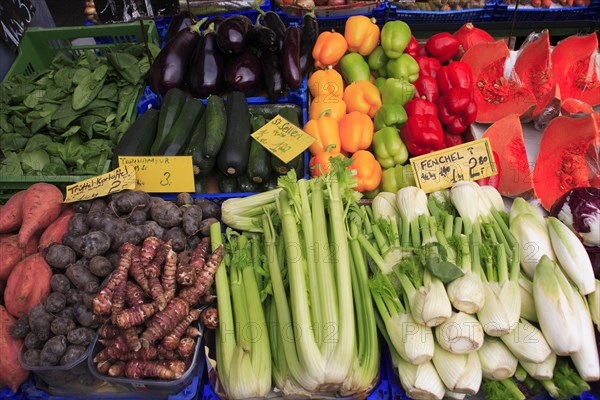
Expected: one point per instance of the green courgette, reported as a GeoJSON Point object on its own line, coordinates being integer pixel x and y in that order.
{"type": "Point", "coordinates": [297, 163]}
{"type": "Point", "coordinates": [169, 112]}
{"type": "Point", "coordinates": [246, 185]}
{"type": "Point", "coordinates": [235, 151]}
{"type": "Point", "coordinates": [270, 184]}
{"type": "Point", "coordinates": [227, 184]}
{"type": "Point", "coordinates": [202, 165]}
{"type": "Point", "coordinates": [139, 137]}
{"type": "Point", "coordinates": [216, 126]}
{"type": "Point", "coordinates": [201, 184]}
{"type": "Point", "coordinates": [176, 141]}
{"type": "Point", "coordinates": [259, 168]}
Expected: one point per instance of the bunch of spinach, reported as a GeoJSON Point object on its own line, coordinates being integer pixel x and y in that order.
{"type": "Point", "coordinates": [68, 118]}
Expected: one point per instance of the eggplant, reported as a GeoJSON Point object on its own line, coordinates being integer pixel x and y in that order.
{"type": "Point", "coordinates": [179, 23]}
{"type": "Point", "coordinates": [244, 73]}
{"type": "Point", "coordinates": [308, 38]}
{"type": "Point", "coordinates": [170, 68]}
{"type": "Point", "coordinates": [263, 38]}
{"type": "Point", "coordinates": [291, 58]}
{"type": "Point", "coordinates": [214, 21]}
{"type": "Point", "coordinates": [272, 21]}
{"type": "Point", "coordinates": [272, 77]}
{"type": "Point", "coordinates": [207, 66]}
{"type": "Point", "coordinates": [232, 35]}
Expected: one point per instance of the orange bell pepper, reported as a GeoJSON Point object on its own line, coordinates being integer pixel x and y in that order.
{"type": "Point", "coordinates": [325, 130]}
{"type": "Point", "coordinates": [368, 171]}
{"type": "Point", "coordinates": [335, 105]}
{"type": "Point", "coordinates": [362, 96]}
{"type": "Point", "coordinates": [320, 163]}
{"type": "Point", "coordinates": [355, 131]}
{"type": "Point", "coordinates": [326, 82]}
{"type": "Point", "coordinates": [362, 35]}
{"type": "Point", "coordinates": [329, 49]}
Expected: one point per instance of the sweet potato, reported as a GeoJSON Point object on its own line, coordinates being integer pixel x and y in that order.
{"type": "Point", "coordinates": [77, 225]}
{"type": "Point", "coordinates": [56, 230]}
{"type": "Point", "coordinates": [11, 253]}
{"type": "Point", "coordinates": [59, 256]}
{"type": "Point", "coordinates": [27, 285]}
{"type": "Point", "coordinates": [11, 372]}
{"type": "Point", "coordinates": [42, 204]}
{"type": "Point", "coordinates": [123, 203]}
{"type": "Point", "coordinates": [11, 214]}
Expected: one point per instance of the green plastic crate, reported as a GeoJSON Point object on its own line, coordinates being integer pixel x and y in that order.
{"type": "Point", "coordinates": [38, 48]}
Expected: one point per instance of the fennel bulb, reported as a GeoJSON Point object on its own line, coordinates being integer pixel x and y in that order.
{"type": "Point", "coordinates": [461, 334]}
{"type": "Point", "coordinates": [460, 372]}
{"type": "Point", "coordinates": [534, 241]}
{"type": "Point", "coordinates": [497, 361]}
{"type": "Point", "coordinates": [420, 381]}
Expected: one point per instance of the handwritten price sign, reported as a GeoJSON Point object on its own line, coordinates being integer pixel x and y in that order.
{"type": "Point", "coordinates": [283, 139]}
{"type": "Point", "coordinates": [442, 169]}
{"type": "Point", "coordinates": [162, 174]}
{"type": "Point", "coordinates": [112, 182]}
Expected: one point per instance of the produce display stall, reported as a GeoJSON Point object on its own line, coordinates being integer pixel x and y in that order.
{"type": "Point", "coordinates": [347, 199]}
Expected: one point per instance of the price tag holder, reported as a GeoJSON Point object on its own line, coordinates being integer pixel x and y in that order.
{"type": "Point", "coordinates": [112, 182]}
{"type": "Point", "coordinates": [162, 174]}
{"type": "Point", "coordinates": [283, 139]}
{"type": "Point", "coordinates": [466, 162]}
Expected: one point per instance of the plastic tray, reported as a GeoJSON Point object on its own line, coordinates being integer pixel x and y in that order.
{"type": "Point", "coordinates": [504, 12]}
{"type": "Point", "coordinates": [148, 388]}
{"type": "Point", "coordinates": [415, 17]}
{"type": "Point", "coordinates": [71, 378]}
{"type": "Point", "coordinates": [36, 52]}
{"type": "Point", "coordinates": [335, 19]}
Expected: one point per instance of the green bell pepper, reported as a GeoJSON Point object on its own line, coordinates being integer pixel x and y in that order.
{"type": "Point", "coordinates": [395, 36]}
{"type": "Point", "coordinates": [354, 68]}
{"type": "Point", "coordinates": [378, 62]}
{"type": "Point", "coordinates": [396, 91]}
{"type": "Point", "coordinates": [396, 178]}
{"type": "Point", "coordinates": [379, 82]}
{"type": "Point", "coordinates": [389, 148]}
{"type": "Point", "coordinates": [404, 67]}
{"type": "Point", "coordinates": [390, 115]}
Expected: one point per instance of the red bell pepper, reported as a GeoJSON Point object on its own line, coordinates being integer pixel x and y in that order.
{"type": "Point", "coordinates": [419, 106]}
{"type": "Point", "coordinates": [422, 134]}
{"type": "Point", "coordinates": [428, 66]}
{"type": "Point", "coordinates": [442, 46]}
{"type": "Point", "coordinates": [412, 48]}
{"type": "Point", "coordinates": [492, 180]}
{"type": "Point", "coordinates": [427, 87]}
{"type": "Point", "coordinates": [452, 140]}
{"type": "Point", "coordinates": [457, 110]}
{"type": "Point", "coordinates": [455, 74]}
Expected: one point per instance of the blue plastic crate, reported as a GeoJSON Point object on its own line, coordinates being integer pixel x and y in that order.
{"type": "Point", "coordinates": [8, 394]}
{"type": "Point", "coordinates": [415, 17]}
{"type": "Point", "coordinates": [502, 12]}
{"type": "Point", "coordinates": [336, 22]}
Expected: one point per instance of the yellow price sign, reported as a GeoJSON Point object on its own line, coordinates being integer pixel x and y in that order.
{"type": "Point", "coordinates": [283, 139]}
{"type": "Point", "coordinates": [466, 162]}
{"type": "Point", "coordinates": [162, 174]}
{"type": "Point", "coordinates": [112, 182]}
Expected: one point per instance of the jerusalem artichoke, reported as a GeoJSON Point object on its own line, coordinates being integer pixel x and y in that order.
{"type": "Point", "coordinates": [102, 302]}
{"type": "Point", "coordinates": [204, 279]}
{"type": "Point", "coordinates": [117, 369]}
{"type": "Point", "coordinates": [138, 369]}
{"type": "Point", "coordinates": [165, 321]}
{"type": "Point", "coordinates": [135, 316]}
{"type": "Point", "coordinates": [149, 249]}
{"type": "Point", "coordinates": [210, 318]}
{"type": "Point", "coordinates": [186, 348]}
{"type": "Point", "coordinates": [171, 341]}
{"type": "Point", "coordinates": [168, 278]}
{"type": "Point", "coordinates": [134, 294]}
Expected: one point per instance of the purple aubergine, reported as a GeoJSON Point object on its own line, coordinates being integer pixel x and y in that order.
{"type": "Point", "coordinates": [244, 73]}
{"type": "Point", "coordinates": [308, 38]}
{"type": "Point", "coordinates": [272, 21]}
{"type": "Point", "coordinates": [232, 34]}
{"type": "Point", "coordinates": [179, 23]}
{"type": "Point", "coordinates": [290, 58]}
{"type": "Point", "coordinates": [207, 67]}
{"type": "Point", "coordinates": [215, 21]}
{"type": "Point", "coordinates": [170, 67]}
{"type": "Point", "coordinates": [272, 76]}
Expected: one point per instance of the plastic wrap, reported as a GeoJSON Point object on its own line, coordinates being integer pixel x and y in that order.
{"type": "Point", "coordinates": [211, 7]}
{"type": "Point", "coordinates": [131, 10]}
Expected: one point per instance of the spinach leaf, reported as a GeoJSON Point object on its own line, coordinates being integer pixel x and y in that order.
{"type": "Point", "coordinates": [127, 98]}
{"type": "Point", "coordinates": [34, 160]}
{"type": "Point", "coordinates": [109, 92]}
{"type": "Point", "coordinates": [87, 124]}
{"type": "Point", "coordinates": [12, 142]}
{"type": "Point", "coordinates": [56, 168]}
{"type": "Point", "coordinates": [34, 98]}
{"type": "Point", "coordinates": [64, 78]}
{"type": "Point", "coordinates": [61, 60]}
{"type": "Point", "coordinates": [73, 129]}
{"type": "Point", "coordinates": [62, 124]}
{"type": "Point", "coordinates": [11, 165]}
{"type": "Point", "coordinates": [126, 65]}
{"type": "Point", "coordinates": [19, 126]}
{"type": "Point", "coordinates": [88, 88]}
{"type": "Point", "coordinates": [80, 74]}
{"type": "Point", "coordinates": [38, 141]}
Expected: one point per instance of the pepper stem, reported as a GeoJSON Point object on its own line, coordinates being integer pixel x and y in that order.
{"type": "Point", "coordinates": [324, 113]}
{"type": "Point", "coordinates": [196, 27]}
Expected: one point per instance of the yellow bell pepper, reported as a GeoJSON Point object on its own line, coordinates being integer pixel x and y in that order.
{"type": "Point", "coordinates": [321, 104]}
{"type": "Point", "coordinates": [325, 131]}
{"type": "Point", "coordinates": [362, 34]}
{"type": "Point", "coordinates": [329, 49]}
{"type": "Point", "coordinates": [368, 171]}
{"type": "Point", "coordinates": [326, 82]}
{"type": "Point", "coordinates": [362, 96]}
{"type": "Point", "coordinates": [355, 132]}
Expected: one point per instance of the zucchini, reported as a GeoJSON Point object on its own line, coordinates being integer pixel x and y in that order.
{"type": "Point", "coordinates": [179, 136]}
{"type": "Point", "coordinates": [227, 184]}
{"type": "Point", "coordinates": [169, 112]}
{"type": "Point", "coordinates": [201, 184]}
{"type": "Point", "coordinates": [202, 165]}
{"type": "Point", "coordinates": [246, 185]}
{"type": "Point", "coordinates": [259, 169]}
{"type": "Point", "coordinates": [235, 151]}
{"type": "Point", "coordinates": [216, 126]}
{"type": "Point", "coordinates": [269, 111]}
{"type": "Point", "coordinates": [296, 163]}
{"type": "Point", "coordinates": [270, 184]}
{"type": "Point", "coordinates": [138, 138]}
